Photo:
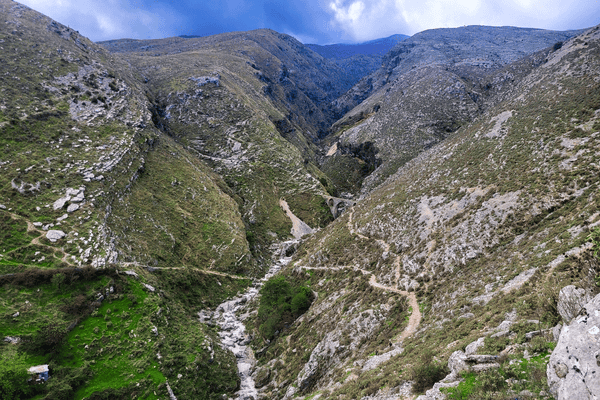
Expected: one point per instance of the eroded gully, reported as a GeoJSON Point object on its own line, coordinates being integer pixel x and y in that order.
{"type": "Point", "coordinates": [230, 315]}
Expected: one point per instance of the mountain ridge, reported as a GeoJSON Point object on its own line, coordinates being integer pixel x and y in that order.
{"type": "Point", "coordinates": [142, 187]}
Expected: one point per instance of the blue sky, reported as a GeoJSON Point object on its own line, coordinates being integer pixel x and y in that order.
{"type": "Point", "coordinates": [310, 21]}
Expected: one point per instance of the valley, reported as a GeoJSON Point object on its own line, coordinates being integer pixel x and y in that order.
{"type": "Point", "coordinates": [242, 216]}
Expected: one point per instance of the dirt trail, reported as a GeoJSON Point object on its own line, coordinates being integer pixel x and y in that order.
{"type": "Point", "coordinates": [36, 240]}
{"type": "Point", "coordinates": [299, 227]}
{"type": "Point", "coordinates": [204, 271]}
{"type": "Point", "coordinates": [415, 317]}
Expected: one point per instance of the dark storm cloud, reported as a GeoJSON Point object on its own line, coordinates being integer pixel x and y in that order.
{"type": "Point", "coordinates": [317, 21]}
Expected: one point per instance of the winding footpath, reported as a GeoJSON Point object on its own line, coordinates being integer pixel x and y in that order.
{"type": "Point", "coordinates": [231, 324]}
{"type": "Point", "coordinates": [203, 271]}
{"type": "Point", "coordinates": [415, 317]}
{"type": "Point", "coordinates": [36, 240]}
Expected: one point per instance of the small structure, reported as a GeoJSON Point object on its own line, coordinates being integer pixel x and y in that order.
{"type": "Point", "coordinates": [39, 373]}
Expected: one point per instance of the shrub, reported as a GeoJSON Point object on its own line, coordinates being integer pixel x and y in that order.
{"type": "Point", "coordinates": [280, 305]}
{"type": "Point", "coordinates": [494, 345]}
{"type": "Point", "coordinates": [58, 280]}
{"type": "Point", "coordinates": [491, 381]}
{"type": "Point", "coordinates": [427, 372]}
{"type": "Point", "coordinates": [301, 301]}
{"type": "Point", "coordinates": [13, 375]}
{"type": "Point", "coordinates": [78, 306]}
{"type": "Point", "coordinates": [48, 338]}
{"type": "Point", "coordinates": [540, 345]}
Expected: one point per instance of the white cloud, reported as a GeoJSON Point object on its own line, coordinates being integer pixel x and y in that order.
{"type": "Point", "coordinates": [364, 20]}
{"type": "Point", "coordinates": [110, 19]}
{"type": "Point", "coordinates": [369, 19]}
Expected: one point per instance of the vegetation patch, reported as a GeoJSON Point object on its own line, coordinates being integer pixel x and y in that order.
{"type": "Point", "coordinates": [280, 304]}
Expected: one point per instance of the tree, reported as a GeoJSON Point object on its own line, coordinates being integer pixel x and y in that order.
{"type": "Point", "coordinates": [58, 280]}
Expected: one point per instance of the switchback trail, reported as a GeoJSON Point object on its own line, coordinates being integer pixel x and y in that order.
{"type": "Point", "coordinates": [415, 317]}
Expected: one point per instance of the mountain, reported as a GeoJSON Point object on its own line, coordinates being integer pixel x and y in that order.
{"type": "Point", "coordinates": [428, 86]}
{"type": "Point", "coordinates": [358, 60]}
{"type": "Point", "coordinates": [479, 233]}
{"type": "Point", "coordinates": [375, 47]}
{"type": "Point", "coordinates": [147, 186]}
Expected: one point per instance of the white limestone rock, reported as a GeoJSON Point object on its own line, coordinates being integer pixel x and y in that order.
{"type": "Point", "coordinates": [60, 203]}
{"type": "Point", "coordinates": [54, 235]}
{"type": "Point", "coordinates": [573, 371]}
{"type": "Point", "coordinates": [474, 346]}
{"type": "Point", "coordinates": [570, 302]}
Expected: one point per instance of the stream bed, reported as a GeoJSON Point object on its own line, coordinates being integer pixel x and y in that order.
{"type": "Point", "coordinates": [230, 315]}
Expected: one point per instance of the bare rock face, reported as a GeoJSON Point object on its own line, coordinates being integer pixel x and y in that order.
{"type": "Point", "coordinates": [570, 302]}
{"type": "Point", "coordinates": [324, 351]}
{"type": "Point", "coordinates": [574, 368]}
{"type": "Point", "coordinates": [458, 363]}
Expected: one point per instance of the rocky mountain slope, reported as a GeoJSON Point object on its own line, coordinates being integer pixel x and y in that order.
{"type": "Point", "coordinates": [483, 246]}
{"type": "Point", "coordinates": [143, 182]}
{"type": "Point", "coordinates": [427, 87]}
{"type": "Point", "coordinates": [299, 81]}
{"type": "Point", "coordinates": [248, 105]}
{"type": "Point", "coordinates": [340, 51]}
{"type": "Point", "coordinates": [361, 59]}
{"type": "Point", "coordinates": [87, 180]}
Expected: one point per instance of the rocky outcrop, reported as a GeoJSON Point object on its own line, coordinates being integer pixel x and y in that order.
{"type": "Point", "coordinates": [571, 301]}
{"type": "Point", "coordinates": [574, 368]}
{"type": "Point", "coordinates": [458, 362]}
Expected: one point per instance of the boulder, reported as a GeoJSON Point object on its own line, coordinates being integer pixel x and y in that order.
{"type": "Point", "coordinates": [435, 393]}
{"type": "Point", "coordinates": [574, 368]}
{"type": "Point", "coordinates": [149, 287]}
{"type": "Point", "coordinates": [374, 361]}
{"type": "Point", "coordinates": [474, 346]}
{"type": "Point", "coordinates": [60, 203]}
{"type": "Point", "coordinates": [262, 376]}
{"type": "Point", "coordinates": [501, 334]}
{"type": "Point", "coordinates": [322, 353]}
{"type": "Point", "coordinates": [556, 332]}
{"type": "Point", "coordinates": [54, 235]}
{"type": "Point", "coordinates": [570, 302]}
{"type": "Point", "coordinates": [12, 340]}
{"type": "Point", "coordinates": [456, 363]}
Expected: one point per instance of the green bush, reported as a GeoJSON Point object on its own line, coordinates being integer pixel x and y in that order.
{"type": "Point", "coordinates": [427, 372]}
{"type": "Point", "coordinates": [280, 305]}
{"type": "Point", "coordinates": [47, 339]}
{"type": "Point", "coordinates": [491, 381]}
{"type": "Point", "coordinates": [494, 345]}
{"type": "Point", "coordinates": [301, 301]}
